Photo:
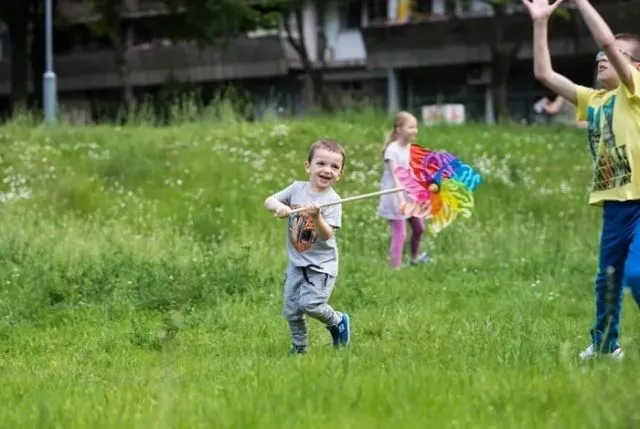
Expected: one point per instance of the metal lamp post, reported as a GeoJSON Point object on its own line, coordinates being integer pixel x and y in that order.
{"type": "Point", "coordinates": [49, 77]}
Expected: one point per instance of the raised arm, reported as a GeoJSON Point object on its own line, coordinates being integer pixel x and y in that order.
{"type": "Point", "coordinates": [540, 11]}
{"type": "Point", "coordinates": [605, 39]}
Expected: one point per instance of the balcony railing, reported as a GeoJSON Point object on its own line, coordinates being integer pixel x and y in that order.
{"type": "Point", "coordinates": [78, 11]}
{"type": "Point", "coordinates": [461, 41]}
{"type": "Point", "coordinates": [480, 10]}
{"type": "Point", "coordinates": [150, 66]}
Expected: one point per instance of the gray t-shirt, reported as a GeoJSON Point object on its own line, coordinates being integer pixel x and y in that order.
{"type": "Point", "coordinates": [304, 247]}
{"type": "Point", "coordinates": [389, 207]}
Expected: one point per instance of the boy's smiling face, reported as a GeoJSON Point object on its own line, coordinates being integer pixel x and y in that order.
{"type": "Point", "coordinates": [325, 169]}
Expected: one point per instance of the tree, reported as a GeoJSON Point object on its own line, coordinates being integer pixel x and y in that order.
{"type": "Point", "coordinates": [16, 15]}
{"type": "Point", "coordinates": [504, 50]}
{"type": "Point", "coordinates": [314, 73]}
{"type": "Point", "coordinates": [110, 21]}
{"type": "Point", "coordinates": [504, 44]}
{"type": "Point", "coordinates": [202, 21]}
{"type": "Point", "coordinates": [25, 20]}
{"type": "Point", "coordinates": [211, 21]}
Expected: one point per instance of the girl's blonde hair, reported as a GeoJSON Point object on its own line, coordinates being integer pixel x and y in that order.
{"type": "Point", "coordinates": [398, 120]}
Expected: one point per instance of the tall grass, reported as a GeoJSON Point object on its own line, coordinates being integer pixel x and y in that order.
{"type": "Point", "coordinates": [141, 281]}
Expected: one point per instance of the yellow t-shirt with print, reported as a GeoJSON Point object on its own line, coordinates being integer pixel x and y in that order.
{"type": "Point", "coordinates": [613, 119]}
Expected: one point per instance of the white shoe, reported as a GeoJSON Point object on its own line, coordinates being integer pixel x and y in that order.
{"type": "Point", "coordinates": [588, 353]}
{"type": "Point", "coordinates": [421, 259]}
{"type": "Point", "coordinates": [617, 354]}
{"type": "Point", "coordinates": [591, 352]}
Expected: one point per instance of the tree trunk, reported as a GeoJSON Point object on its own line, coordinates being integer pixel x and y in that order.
{"type": "Point", "coordinates": [37, 54]}
{"type": "Point", "coordinates": [504, 50]}
{"type": "Point", "coordinates": [500, 99]}
{"type": "Point", "coordinates": [313, 91]}
{"type": "Point", "coordinates": [317, 77]}
{"type": "Point", "coordinates": [300, 46]}
{"type": "Point", "coordinates": [308, 92]}
{"type": "Point", "coordinates": [501, 61]}
{"type": "Point", "coordinates": [317, 80]}
{"type": "Point", "coordinates": [500, 65]}
{"type": "Point", "coordinates": [121, 47]}
{"type": "Point", "coordinates": [19, 34]}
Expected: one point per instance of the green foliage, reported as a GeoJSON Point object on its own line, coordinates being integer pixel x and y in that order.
{"type": "Point", "coordinates": [284, 6]}
{"type": "Point", "coordinates": [152, 297]}
{"type": "Point", "coordinates": [110, 17]}
{"type": "Point", "coordinates": [205, 21]}
{"type": "Point", "coordinates": [211, 20]}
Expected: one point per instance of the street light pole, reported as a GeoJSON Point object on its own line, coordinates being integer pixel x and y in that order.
{"type": "Point", "coordinates": [49, 77]}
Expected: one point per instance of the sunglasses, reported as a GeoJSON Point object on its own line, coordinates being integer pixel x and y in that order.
{"type": "Point", "coordinates": [601, 56]}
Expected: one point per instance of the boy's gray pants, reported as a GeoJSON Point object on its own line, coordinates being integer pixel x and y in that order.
{"type": "Point", "coordinates": [307, 292]}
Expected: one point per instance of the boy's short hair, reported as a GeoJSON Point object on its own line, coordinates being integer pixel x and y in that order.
{"type": "Point", "coordinates": [329, 145]}
{"type": "Point", "coordinates": [634, 39]}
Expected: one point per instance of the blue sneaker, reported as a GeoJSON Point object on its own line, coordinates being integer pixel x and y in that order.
{"type": "Point", "coordinates": [341, 333]}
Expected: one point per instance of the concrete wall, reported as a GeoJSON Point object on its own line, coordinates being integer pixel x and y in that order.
{"type": "Point", "coordinates": [244, 58]}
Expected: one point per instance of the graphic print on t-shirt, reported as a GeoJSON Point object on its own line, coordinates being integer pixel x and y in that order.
{"type": "Point", "coordinates": [302, 231]}
{"type": "Point", "coordinates": [612, 169]}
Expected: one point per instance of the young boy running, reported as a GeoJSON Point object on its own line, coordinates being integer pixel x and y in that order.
{"type": "Point", "coordinates": [311, 245]}
{"type": "Point", "coordinates": [613, 116]}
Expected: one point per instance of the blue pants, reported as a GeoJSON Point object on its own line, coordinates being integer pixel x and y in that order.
{"type": "Point", "coordinates": [619, 266]}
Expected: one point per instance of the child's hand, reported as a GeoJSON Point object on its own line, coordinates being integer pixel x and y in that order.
{"type": "Point", "coordinates": [541, 10]}
{"type": "Point", "coordinates": [312, 209]}
{"type": "Point", "coordinates": [283, 211]}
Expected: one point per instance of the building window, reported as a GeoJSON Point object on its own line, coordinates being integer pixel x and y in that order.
{"type": "Point", "coordinates": [351, 15]}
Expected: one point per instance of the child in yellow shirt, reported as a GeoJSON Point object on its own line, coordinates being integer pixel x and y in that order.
{"type": "Point", "coordinates": [613, 124]}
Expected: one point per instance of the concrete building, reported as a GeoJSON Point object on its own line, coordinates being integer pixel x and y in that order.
{"type": "Point", "coordinates": [441, 54]}
{"type": "Point", "coordinates": [262, 63]}
{"type": "Point", "coordinates": [395, 53]}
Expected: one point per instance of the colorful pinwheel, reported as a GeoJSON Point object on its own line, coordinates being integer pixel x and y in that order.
{"type": "Point", "coordinates": [439, 186]}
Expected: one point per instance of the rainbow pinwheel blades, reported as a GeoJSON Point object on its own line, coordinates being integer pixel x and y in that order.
{"type": "Point", "coordinates": [439, 186]}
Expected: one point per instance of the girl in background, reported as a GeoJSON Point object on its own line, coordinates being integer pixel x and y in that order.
{"type": "Point", "coordinates": [396, 152]}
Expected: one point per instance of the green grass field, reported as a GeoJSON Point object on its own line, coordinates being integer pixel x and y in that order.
{"type": "Point", "coordinates": [141, 286]}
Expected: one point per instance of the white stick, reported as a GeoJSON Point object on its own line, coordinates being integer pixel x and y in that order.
{"type": "Point", "coordinates": [355, 198]}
